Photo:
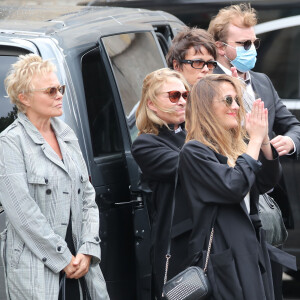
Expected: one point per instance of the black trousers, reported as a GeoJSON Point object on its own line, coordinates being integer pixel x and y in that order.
{"type": "Point", "coordinates": [72, 285]}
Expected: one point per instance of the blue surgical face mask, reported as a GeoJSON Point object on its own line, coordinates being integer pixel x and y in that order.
{"type": "Point", "coordinates": [245, 59]}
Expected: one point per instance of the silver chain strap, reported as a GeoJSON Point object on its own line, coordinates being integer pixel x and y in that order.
{"type": "Point", "coordinates": [168, 256]}
{"type": "Point", "coordinates": [206, 260]}
{"type": "Point", "coordinates": [208, 249]}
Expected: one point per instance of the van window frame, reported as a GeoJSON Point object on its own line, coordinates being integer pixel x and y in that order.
{"type": "Point", "coordinates": [125, 132]}
{"type": "Point", "coordinates": [108, 66]}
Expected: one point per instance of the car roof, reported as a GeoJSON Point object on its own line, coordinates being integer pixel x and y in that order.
{"type": "Point", "coordinates": [52, 19]}
{"type": "Point", "coordinates": [74, 27]}
{"type": "Point", "coordinates": [277, 24]}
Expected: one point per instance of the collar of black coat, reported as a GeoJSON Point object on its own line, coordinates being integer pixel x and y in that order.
{"type": "Point", "coordinates": [169, 135]}
{"type": "Point", "coordinates": [171, 127]}
{"type": "Point", "coordinates": [221, 158]}
{"type": "Point", "coordinates": [60, 128]}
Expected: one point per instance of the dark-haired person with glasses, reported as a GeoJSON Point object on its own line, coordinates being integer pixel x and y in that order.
{"type": "Point", "coordinates": [52, 218]}
{"type": "Point", "coordinates": [160, 120]}
{"type": "Point", "coordinates": [193, 54]}
{"type": "Point", "coordinates": [237, 45]}
{"type": "Point", "coordinates": [221, 177]}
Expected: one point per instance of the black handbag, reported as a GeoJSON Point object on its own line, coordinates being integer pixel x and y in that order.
{"type": "Point", "coordinates": [192, 283]}
{"type": "Point", "coordinates": [271, 219]}
{"type": "Point", "coordinates": [85, 290]}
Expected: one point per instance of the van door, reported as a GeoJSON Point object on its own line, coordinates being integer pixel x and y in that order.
{"type": "Point", "coordinates": [113, 74]}
{"type": "Point", "coordinates": [132, 56]}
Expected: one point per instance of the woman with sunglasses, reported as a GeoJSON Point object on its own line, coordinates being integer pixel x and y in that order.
{"type": "Point", "coordinates": [160, 120]}
{"type": "Point", "coordinates": [52, 218]}
{"type": "Point", "coordinates": [222, 176]}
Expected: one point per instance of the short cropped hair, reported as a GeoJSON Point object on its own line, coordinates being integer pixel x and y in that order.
{"type": "Point", "coordinates": [19, 78]}
{"type": "Point", "coordinates": [240, 15]}
{"type": "Point", "coordinates": [146, 120]}
{"type": "Point", "coordinates": [190, 38]}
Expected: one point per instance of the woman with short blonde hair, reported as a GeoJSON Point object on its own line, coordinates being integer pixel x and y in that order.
{"type": "Point", "coordinates": [19, 79]}
{"type": "Point", "coordinates": [52, 223]}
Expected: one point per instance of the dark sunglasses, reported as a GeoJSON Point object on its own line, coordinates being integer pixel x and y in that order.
{"type": "Point", "coordinates": [199, 63]}
{"type": "Point", "coordinates": [52, 91]}
{"type": "Point", "coordinates": [247, 44]}
{"type": "Point", "coordinates": [174, 96]}
{"type": "Point", "coordinates": [229, 100]}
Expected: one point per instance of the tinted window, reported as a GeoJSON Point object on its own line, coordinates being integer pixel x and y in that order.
{"type": "Point", "coordinates": [104, 126]}
{"type": "Point", "coordinates": [8, 112]}
{"type": "Point", "coordinates": [133, 56]}
{"type": "Point", "coordinates": [164, 36]}
{"type": "Point", "coordinates": [279, 58]}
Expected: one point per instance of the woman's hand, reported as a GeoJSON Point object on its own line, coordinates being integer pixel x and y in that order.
{"type": "Point", "coordinates": [257, 122]}
{"type": "Point", "coordinates": [70, 269]}
{"type": "Point", "coordinates": [81, 263]}
{"type": "Point", "coordinates": [257, 127]}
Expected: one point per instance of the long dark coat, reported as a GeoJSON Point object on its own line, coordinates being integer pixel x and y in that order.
{"type": "Point", "coordinates": [157, 156]}
{"type": "Point", "coordinates": [239, 266]}
{"type": "Point", "coordinates": [281, 122]}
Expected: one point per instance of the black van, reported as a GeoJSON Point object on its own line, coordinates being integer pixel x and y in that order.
{"type": "Point", "coordinates": [102, 55]}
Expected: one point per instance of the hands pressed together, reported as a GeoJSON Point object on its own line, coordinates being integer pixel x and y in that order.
{"type": "Point", "coordinates": [257, 128]}
{"type": "Point", "coordinates": [78, 266]}
{"type": "Point", "coordinates": [257, 123]}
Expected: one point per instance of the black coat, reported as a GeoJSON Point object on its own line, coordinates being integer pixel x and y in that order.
{"type": "Point", "coordinates": [157, 157]}
{"type": "Point", "coordinates": [239, 265]}
{"type": "Point", "coordinates": [281, 122]}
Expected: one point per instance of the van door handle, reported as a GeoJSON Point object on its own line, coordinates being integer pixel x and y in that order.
{"type": "Point", "coordinates": [136, 203]}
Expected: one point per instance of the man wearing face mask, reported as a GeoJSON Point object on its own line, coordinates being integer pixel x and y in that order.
{"type": "Point", "coordinates": [233, 31]}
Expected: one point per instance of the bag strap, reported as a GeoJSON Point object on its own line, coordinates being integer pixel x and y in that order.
{"type": "Point", "coordinates": [168, 255]}
{"type": "Point", "coordinates": [84, 288]}
{"type": "Point", "coordinates": [62, 286]}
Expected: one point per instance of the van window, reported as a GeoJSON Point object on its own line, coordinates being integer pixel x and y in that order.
{"type": "Point", "coordinates": [133, 56]}
{"type": "Point", "coordinates": [164, 36]}
{"type": "Point", "coordinates": [8, 112]}
{"type": "Point", "coordinates": [279, 58]}
{"type": "Point", "coordinates": [103, 121]}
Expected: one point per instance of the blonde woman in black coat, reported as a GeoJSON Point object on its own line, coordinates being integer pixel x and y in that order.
{"type": "Point", "coordinates": [160, 120]}
{"type": "Point", "coordinates": [222, 177]}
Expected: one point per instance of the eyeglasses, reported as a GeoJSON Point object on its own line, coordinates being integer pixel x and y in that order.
{"type": "Point", "coordinates": [247, 44]}
{"type": "Point", "coordinates": [200, 64]}
{"type": "Point", "coordinates": [229, 100]}
{"type": "Point", "coordinates": [174, 96]}
{"type": "Point", "coordinates": [52, 91]}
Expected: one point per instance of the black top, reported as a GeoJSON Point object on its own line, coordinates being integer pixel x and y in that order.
{"type": "Point", "coordinates": [72, 285]}
{"type": "Point", "coordinates": [157, 157]}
